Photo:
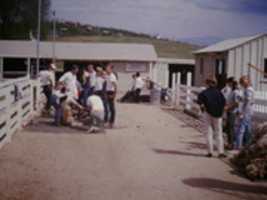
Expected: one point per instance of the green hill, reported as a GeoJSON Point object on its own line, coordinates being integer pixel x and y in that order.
{"type": "Point", "coordinates": [69, 31]}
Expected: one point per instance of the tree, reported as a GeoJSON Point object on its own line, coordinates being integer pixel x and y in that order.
{"type": "Point", "coordinates": [19, 17]}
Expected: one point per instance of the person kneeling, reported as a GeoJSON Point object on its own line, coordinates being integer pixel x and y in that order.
{"type": "Point", "coordinates": [96, 108]}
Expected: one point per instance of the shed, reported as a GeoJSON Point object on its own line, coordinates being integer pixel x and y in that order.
{"type": "Point", "coordinates": [231, 58]}
{"type": "Point", "coordinates": [126, 58]}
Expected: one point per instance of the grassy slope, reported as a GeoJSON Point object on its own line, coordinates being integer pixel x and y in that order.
{"type": "Point", "coordinates": [164, 48]}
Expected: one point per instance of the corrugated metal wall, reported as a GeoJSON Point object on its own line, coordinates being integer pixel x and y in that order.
{"type": "Point", "coordinates": [253, 52]}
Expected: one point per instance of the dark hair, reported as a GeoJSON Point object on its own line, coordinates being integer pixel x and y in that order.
{"type": "Point", "coordinates": [137, 74]}
{"type": "Point", "coordinates": [230, 79]}
{"type": "Point", "coordinates": [234, 85]}
{"type": "Point", "coordinates": [74, 67]}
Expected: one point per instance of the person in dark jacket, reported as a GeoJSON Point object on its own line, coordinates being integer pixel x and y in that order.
{"type": "Point", "coordinates": [212, 103]}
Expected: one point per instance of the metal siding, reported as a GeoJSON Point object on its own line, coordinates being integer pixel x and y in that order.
{"type": "Point", "coordinates": [246, 59]}
{"type": "Point", "coordinates": [254, 62]}
{"type": "Point", "coordinates": [238, 63]}
{"type": "Point", "coordinates": [230, 69]}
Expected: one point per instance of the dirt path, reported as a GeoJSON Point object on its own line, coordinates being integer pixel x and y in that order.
{"type": "Point", "coordinates": [150, 155]}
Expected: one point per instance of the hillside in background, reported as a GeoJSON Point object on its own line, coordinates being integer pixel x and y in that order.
{"type": "Point", "coordinates": [70, 31]}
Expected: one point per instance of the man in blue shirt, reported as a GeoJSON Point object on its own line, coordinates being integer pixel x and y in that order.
{"type": "Point", "coordinates": [212, 103]}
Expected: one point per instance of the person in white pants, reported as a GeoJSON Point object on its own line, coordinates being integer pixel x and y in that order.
{"type": "Point", "coordinates": [214, 128]}
{"type": "Point", "coordinates": [212, 102]}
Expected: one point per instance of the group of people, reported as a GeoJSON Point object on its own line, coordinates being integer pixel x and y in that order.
{"type": "Point", "coordinates": [232, 105]}
{"type": "Point", "coordinates": [94, 95]}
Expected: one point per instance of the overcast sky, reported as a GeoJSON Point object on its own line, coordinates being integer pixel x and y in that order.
{"type": "Point", "coordinates": [192, 20]}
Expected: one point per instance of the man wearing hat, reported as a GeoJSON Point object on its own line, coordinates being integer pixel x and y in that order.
{"type": "Point", "coordinates": [212, 103]}
{"type": "Point", "coordinates": [47, 79]}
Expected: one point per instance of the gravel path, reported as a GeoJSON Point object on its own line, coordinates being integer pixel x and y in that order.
{"type": "Point", "coordinates": [149, 155]}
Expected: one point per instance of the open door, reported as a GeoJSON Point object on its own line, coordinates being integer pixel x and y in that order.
{"type": "Point", "coordinates": [220, 73]}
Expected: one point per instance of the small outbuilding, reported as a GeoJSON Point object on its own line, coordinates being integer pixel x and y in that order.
{"type": "Point", "coordinates": [232, 58]}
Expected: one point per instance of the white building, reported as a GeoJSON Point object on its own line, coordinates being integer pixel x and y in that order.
{"type": "Point", "coordinates": [231, 58]}
{"type": "Point", "coordinates": [18, 56]}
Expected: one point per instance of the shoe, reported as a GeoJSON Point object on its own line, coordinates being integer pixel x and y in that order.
{"type": "Point", "coordinates": [209, 155]}
{"type": "Point", "coordinates": [222, 155]}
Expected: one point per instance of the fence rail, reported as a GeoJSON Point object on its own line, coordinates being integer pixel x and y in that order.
{"type": "Point", "coordinates": [18, 100]}
{"type": "Point", "coordinates": [185, 96]}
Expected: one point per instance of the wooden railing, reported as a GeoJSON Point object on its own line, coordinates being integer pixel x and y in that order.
{"type": "Point", "coordinates": [20, 100]}
{"type": "Point", "coordinates": [185, 97]}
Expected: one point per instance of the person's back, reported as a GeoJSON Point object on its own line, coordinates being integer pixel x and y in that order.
{"type": "Point", "coordinates": [213, 101]}
{"type": "Point", "coordinates": [95, 103]}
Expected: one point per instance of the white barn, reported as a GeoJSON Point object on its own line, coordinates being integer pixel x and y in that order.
{"type": "Point", "coordinates": [126, 58]}
{"type": "Point", "coordinates": [231, 58]}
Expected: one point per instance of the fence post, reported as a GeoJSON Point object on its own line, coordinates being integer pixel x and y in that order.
{"type": "Point", "coordinates": [173, 88]}
{"type": "Point", "coordinates": [177, 103]}
{"type": "Point", "coordinates": [188, 90]}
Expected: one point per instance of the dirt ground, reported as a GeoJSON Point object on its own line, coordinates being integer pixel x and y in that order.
{"type": "Point", "coordinates": [149, 155]}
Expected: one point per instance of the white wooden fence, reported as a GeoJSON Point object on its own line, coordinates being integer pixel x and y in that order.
{"type": "Point", "coordinates": [185, 97]}
{"type": "Point", "coordinates": [20, 100]}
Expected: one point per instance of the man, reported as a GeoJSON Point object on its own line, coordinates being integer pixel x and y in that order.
{"type": "Point", "coordinates": [226, 91]}
{"type": "Point", "coordinates": [139, 84]}
{"type": "Point", "coordinates": [96, 108]}
{"type": "Point", "coordinates": [90, 74]}
{"type": "Point", "coordinates": [47, 78]}
{"type": "Point", "coordinates": [57, 98]}
{"type": "Point", "coordinates": [212, 101]}
{"type": "Point", "coordinates": [111, 95]}
{"type": "Point", "coordinates": [244, 132]}
{"type": "Point", "coordinates": [69, 79]}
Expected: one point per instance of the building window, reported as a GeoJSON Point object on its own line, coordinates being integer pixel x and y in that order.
{"type": "Point", "coordinates": [201, 70]}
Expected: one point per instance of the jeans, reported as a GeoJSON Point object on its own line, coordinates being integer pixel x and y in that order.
{"type": "Point", "coordinates": [214, 128]}
{"type": "Point", "coordinates": [111, 114]}
{"type": "Point", "coordinates": [243, 132]}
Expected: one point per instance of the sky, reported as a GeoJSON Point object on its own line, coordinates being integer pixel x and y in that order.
{"type": "Point", "coordinates": [196, 21]}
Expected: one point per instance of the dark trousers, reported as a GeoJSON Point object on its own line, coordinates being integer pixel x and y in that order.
{"type": "Point", "coordinates": [137, 95]}
{"type": "Point", "coordinates": [47, 89]}
{"type": "Point", "coordinates": [111, 114]}
{"type": "Point", "coordinates": [230, 127]}
{"type": "Point", "coordinates": [103, 96]}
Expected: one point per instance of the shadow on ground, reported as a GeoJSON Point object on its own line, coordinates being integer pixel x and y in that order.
{"type": "Point", "coordinates": [176, 152]}
{"type": "Point", "coordinates": [234, 189]}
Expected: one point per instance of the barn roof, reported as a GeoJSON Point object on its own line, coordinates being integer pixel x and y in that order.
{"type": "Point", "coordinates": [228, 44]}
{"type": "Point", "coordinates": [79, 51]}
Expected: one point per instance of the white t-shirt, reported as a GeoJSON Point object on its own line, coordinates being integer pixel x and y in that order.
{"type": "Point", "coordinates": [92, 78]}
{"type": "Point", "coordinates": [99, 83]}
{"type": "Point", "coordinates": [70, 82]}
{"type": "Point", "coordinates": [139, 83]}
{"type": "Point", "coordinates": [111, 79]}
{"type": "Point", "coordinates": [47, 77]}
{"type": "Point", "coordinates": [95, 103]}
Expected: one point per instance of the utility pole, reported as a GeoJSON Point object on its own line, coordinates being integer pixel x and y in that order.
{"type": "Point", "coordinates": [38, 38]}
{"type": "Point", "coordinates": [54, 37]}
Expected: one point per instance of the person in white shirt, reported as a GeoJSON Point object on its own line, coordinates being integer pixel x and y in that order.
{"type": "Point", "coordinates": [90, 74]}
{"type": "Point", "coordinates": [97, 111]}
{"type": "Point", "coordinates": [47, 79]}
{"type": "Point", "coordinates": [139, 84]}
{"type": "Point", "coordinates": [69, 79]}
{"type": "Point", "coordinates": [111, 89]}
